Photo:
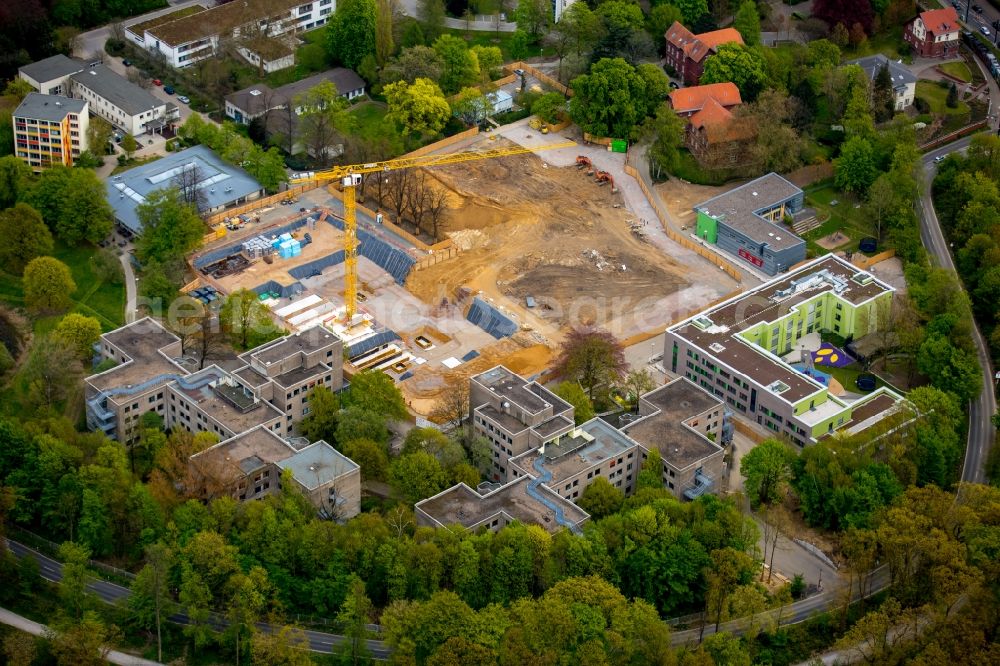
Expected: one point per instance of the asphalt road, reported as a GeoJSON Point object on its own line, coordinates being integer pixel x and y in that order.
{"type": "Point", "coordinates": [111, 593]}
{"type": "Point", "coordinates": [981, 410]}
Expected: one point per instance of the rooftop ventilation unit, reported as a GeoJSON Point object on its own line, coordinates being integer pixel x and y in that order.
{"type": "Point", "coordinates": [778, 387]}
{"type": "Point", "coordinates": [716, 347]}
{"type": "Point", "coordinates": [702, 323]}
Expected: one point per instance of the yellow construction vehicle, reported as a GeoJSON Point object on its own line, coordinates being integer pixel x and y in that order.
{"type": "Point", "coordinates": [350, 177]}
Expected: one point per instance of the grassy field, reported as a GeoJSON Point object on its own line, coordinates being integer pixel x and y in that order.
{"type": "Point", "coordinates": [957, 69]}
{"type": "Point", "coordinates": [479, 38]}
{"type": "Point", "coordinates": [93, 297]}
{"type": "Point", "coordinates": [843, 217]}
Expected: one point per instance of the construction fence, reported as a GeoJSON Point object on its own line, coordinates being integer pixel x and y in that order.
{"type": "Point", "coordinates": [541, 76]}
{"type": "Point", "coordinates": [443, 143]}
{"type": "Point", "coordinates": [864, 263]}
{"type": "Point", "coordinates": [680, 239]}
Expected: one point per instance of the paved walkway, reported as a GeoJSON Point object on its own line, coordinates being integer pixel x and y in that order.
{"type": "Point", "coordinates": [131, 287]}
{"type": "Point", "coordinates": [34, 628]}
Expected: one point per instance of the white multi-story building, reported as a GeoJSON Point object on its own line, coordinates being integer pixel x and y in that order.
{"type": "Point", "coordinates": [189, 39]}
{"type": "Point", "coordinates": [121, 102]}
{"type": "Point", "coordinates": [108, 94]}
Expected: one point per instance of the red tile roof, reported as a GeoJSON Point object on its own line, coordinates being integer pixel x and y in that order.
{"type": "Point", "coordinates": [707, 43]}
{"type": "Point", "coordinates": [711, 114]}
{"type": "Point", "coordinates": [940, 20]}
{"type": "Point", "coordinates": [678, 35]}
{"type": "Point", "coordinates": [685, 100]}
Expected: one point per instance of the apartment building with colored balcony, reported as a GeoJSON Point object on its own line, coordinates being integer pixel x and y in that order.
{"type": "Point", "coordinates": [50, 130]}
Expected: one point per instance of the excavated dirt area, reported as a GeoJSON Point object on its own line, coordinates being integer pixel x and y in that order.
{"type": "Point", "coordinates": [529, 229]}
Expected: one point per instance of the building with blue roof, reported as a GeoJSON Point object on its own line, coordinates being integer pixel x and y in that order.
{"type": "Point", "coordinates": [221, 185]}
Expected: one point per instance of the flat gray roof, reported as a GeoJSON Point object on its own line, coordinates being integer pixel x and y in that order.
{"type": "Point", "coordinates": [527, 395]}
{"type": "Point", "coordinates": [739, 206]}
{"type": "Point", "coordinates": [48, 107]}
{"type": "Point", "coordinates": [118, 90]}
{"type": "Point", "coordinates": [664, 428]}
{"type": "Point", "coordinates": [599, 442]}
{"type": "Point", "coordinates": [306, 341]}
{"type": "Point", "coordinates": [462, 505]}
{"type": "Point", "coordinates": [53, 67]}
{"type": "Point", "coordinates": [222, 183]}
{"type": "Point", "coordinates": [318, 464]}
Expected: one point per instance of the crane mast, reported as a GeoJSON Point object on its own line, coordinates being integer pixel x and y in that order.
{"type": "Point", "coordinates": [350, 177]}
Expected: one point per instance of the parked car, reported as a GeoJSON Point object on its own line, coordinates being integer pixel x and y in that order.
{"type": "Point", "coordinates": [157, 82]}
{"type": "Point", "coordinates": [127, 63]}
{"type": "Point", "coordinates": [984, 30]}
{"type": "Point", "coordinates": [184, 98]}
{"type": "Point", "coordinates": [168, 89]}
{"type": "Point", "coordinates": [977, 8]}
{"type": "Point", "coordinates": [996, 24]}
{"type": "Point", "coordinates": [939, 159]}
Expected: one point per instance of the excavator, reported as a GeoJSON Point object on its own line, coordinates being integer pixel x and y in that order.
{"type": "Point", "coordinates": [584, 161]}
{"type": "Point", "coordinates": [602, 177]}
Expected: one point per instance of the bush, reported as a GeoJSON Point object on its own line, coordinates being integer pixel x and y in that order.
{"type": "Point", "coordinates": [798, 586]}
{"type": "Point", "coordinates": [921, 105]}
{"type": "Point", "coordinates": [114, 47]}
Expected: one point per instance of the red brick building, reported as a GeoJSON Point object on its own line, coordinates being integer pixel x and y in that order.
{"type": "Point", "coordinates": [686, 52]}
{"type": "Point", "coordinates": [934, 34]}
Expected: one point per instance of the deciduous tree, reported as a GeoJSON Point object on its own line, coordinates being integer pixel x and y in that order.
{"type": "Point", "coordinates": [601, 498]}
{"type": "Point", "coordinates": [573, 393]}
{"type": "Point", "coordinates": [72, 202]}
{"type": "Point", "coordinates": [855, 168]}
{"type": "Point", "coordinates": [742, 65]}
{"type": "Point", "coordinates": [170, 226]}
{"type": "Point", "coordinates": [80, 332]}
{"type": "Point", "coordinates": [459, 65]}
{"type": "Point", "coordinates": [48, 285]}
{"type": "Point", "coordinates": [323, 120]}
{"type": "Point", "coordinates": [592, 357]}
{"type": "Point", "coordinates": [26, 237]}
{"type": "Point", "coordinates": [416, 62]}
{"type": "Point", "coordinates": [766, 468]}
{"type": "Point", "coordinates": [417, 475]}
{"type": "Point", "coordinates": [747, 22]}
{"type": "Point", "coordinates": [350, 33]}
{"type": "Point", "coordinates": [420, 108]}
{"type": "Point", "coordinates": [247, 319]}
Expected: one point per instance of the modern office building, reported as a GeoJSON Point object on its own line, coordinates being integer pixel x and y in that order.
{"type": "Point", "coordinates": [736, 350]}
{"type": "Point", "coordinates": [221, 184]}
{"type": "Point", "coordinates": [50, 129]}
{"type": "Point", "coordinates": [746, 223]}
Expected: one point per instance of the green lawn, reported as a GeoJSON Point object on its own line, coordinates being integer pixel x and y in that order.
{"type": "Point", "coordinates": [957, 69]}
{"type": "Point", "coordinates": [480, 38]}
{"type": "Point", "coordinates": [889, 43]}
{"type": "Point", "coordinates": [843, 217]}
{"type": "Point", "coordinates": [93, 297]}
{"type": "Point", "coordinates": [937, 97]}
{"type": "Point", "coordinates": [847, 376]}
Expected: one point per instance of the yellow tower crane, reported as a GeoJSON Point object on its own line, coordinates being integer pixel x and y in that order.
{"type": "Point", "coordinates": [350, 177]}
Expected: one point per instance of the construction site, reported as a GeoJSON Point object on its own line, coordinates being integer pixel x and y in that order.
{"type": "Point", "coordinates": [528, 246]}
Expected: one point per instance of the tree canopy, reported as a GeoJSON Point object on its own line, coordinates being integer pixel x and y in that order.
{"type": "Point", "coordinates": [48, 284]}
{"type": "Point", "coordinates": [170, 226]}
{"type": "Point", "coordinates": [72, 202]}
{"type": "Point", "coordinates": [350, 35]}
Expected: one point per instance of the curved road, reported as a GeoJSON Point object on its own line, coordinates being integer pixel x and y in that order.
{"type": "Point", "coordinates": [110, 593]}
{"type": "Point", "coordinates": [981, 410]}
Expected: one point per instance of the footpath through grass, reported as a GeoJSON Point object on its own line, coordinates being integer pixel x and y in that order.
{"type": "Point", "coordinates": [93, 297]}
